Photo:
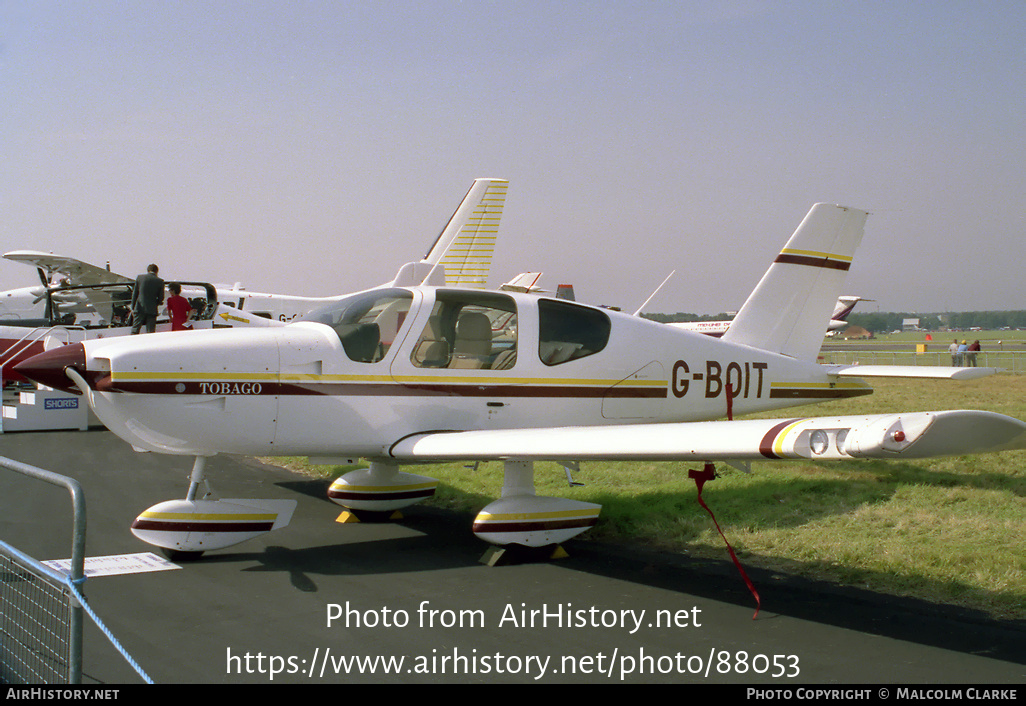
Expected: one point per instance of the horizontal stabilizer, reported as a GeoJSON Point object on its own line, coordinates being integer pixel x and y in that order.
{"type": "Point", "coordinates": [912, 435]}
{"type": "Point", "coordinates": [937, 372]}
{"type": "Point", "coordinates": [524, 282]}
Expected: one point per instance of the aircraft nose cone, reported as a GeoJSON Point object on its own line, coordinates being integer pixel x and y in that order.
{"type": "Point", "coordinates": [48, 368]}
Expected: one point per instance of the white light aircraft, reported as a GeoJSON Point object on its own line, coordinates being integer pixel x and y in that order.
{"type": "Point", "coordinates": [412, 374]}
{"type": "Point", "coordinates": [838, 320]}
{"type": "Point", "coordinates": [78, 301]}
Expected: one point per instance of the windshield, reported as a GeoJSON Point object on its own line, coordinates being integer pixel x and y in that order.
{"type": "Point", "coordinates": [366, 323]}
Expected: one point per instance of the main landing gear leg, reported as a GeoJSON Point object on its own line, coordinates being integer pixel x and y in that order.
{"type": "Point", "coordinates": [523, 525]}
{"type": "Point", "coordinates": [198, 476]}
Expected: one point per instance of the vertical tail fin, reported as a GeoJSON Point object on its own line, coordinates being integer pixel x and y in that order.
{"type": "Point", "coordinates": [790, 308]}
{"type": "Point", "coordinates": [466, 244]}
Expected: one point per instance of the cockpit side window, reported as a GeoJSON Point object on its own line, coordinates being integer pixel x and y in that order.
{"type": "Point", "coordinates": [569, 332]}
{"type": "Point", "coordinates": [469, 330]}
{"type": "Point", "coordinates": [366, 323]}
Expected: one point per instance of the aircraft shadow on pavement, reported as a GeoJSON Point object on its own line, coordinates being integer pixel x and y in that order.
{"type": "Point", "coordinates": [443, 541]}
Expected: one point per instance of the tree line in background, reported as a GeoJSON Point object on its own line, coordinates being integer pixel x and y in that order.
{"type": "Point", "coordinates": [879, 322]}
{"type": "Point", "coordinates": [883, 322]}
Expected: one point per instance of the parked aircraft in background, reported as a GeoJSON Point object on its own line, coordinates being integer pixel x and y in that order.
{"type": "Point", "coordinates": [464, 247]}
{"type": "Point", "coordinates": [77, 300]}
{"type": "Point", "coordinates": [838, 320]}
{"type": "Point", "coordinates": [528, 282]}
{"type": "Point", "coordinates": [845, 305]}
{"type": "Point", "coordinates": [102, 311]}
{"type": "Point", "coordinates": [414, 374]}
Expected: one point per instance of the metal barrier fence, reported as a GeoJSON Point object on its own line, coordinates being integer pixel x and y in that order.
{"type": "Point", "coordinates": [40, 611]}
{"type": "Point", "coordinates": [1008, 361]}
{"type": "Point", "coordinates": [35, 626]}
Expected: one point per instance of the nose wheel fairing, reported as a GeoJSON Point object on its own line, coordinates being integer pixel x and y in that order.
{"type": "Point", "coordinates": [191, 526]}
{"type": "Point", "coordinates": [204, 525]}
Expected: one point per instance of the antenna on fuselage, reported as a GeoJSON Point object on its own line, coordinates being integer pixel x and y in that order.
{"type": "Point", "coordinates": [654, 293]}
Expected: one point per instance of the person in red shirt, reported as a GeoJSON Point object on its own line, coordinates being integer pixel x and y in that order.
{"type": "Point", "coordinates": [179, 308]}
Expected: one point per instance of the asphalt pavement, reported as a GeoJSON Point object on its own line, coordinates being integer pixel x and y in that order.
{"type": "Point", "coordinates": [411, 602]}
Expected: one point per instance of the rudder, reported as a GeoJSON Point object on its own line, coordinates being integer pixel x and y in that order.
{"type": "Point", "coordinates": [789, 310]}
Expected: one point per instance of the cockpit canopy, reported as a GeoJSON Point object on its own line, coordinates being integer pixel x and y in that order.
{"type": "Point", "coordinates": [466, 329]}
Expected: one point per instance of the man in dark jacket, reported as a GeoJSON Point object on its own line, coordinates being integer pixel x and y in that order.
{"type": "Point", "coordinates": [971, 352]}
{"type": "Point", "coordinates": [147, 297]}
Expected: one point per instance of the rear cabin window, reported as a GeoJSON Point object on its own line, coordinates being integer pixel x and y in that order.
{"type": "Point", "coordinates": [569, 332]}
{"type": "Point", "coordinates": [470, 331]}
{"type": "Point", "coordinates": [367, 323]}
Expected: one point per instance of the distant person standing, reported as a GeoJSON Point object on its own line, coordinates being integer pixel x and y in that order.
{"type": "Point", "coordinates": [953, 350]}
{"type": "Point", "coordinates": [147, 297]}
{"type": "Point", "coordinates": [179, 308]}
{"type": "Point", "coordinates": [971, 352]}
{"type": "Point", "coordinates": [963, 350]}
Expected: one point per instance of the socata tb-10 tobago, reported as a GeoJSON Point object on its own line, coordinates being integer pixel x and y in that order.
{"type": "Point", "coordinates": [412, 372]}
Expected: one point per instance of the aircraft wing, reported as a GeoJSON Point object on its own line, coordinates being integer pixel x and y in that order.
{"type": "Point", "coordinates": [77, 272]}
{"type": "Point", "coordinates": [940, 372]}
{"type": "Point", "coordinates": [890, 436]}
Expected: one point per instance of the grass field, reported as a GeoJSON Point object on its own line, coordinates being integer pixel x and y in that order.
{"type": "Point", "coordinates": [1005, 350]}
{"type": "Point", "coordinates": [949, 530]}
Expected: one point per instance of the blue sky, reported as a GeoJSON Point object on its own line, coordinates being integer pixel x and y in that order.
{"type": "Point", "coordinates": [313, 147]}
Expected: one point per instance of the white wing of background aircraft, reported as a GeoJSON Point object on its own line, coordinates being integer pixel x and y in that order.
{"type": "Point", "coordinates": [464, 248]}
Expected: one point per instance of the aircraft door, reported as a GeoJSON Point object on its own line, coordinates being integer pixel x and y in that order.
{"type": "Point", "coordinates": [467, 331]}
{"type": "Point", "coordinates": [461, 351]}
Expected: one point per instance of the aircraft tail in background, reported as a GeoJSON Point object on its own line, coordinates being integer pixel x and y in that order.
{"type": "Point", "coordinates": [466, 244]}
{"type": "Point", "coordinates": [839, 319]}
{"type": "Point", "coordinates": [789, 310]}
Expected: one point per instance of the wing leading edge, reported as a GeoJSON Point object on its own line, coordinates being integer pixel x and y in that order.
{"type": "Point", "coordinates": [891, 436]}
{"type": "Point", "coordinates": [935, 372]}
